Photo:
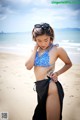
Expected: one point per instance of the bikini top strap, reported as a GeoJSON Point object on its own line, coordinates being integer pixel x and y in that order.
{"type": "Point", "coordinates": [52, 45]}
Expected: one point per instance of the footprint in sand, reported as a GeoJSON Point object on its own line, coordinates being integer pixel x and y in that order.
{"type": "Point", "coordinates": [10, 88]}
{"type": "Point", "coordinates": [77, 89]}
{"type": "Point", "coordinates": [71, 96]}
{"type": "Point", "coordinates": [4, 70]}
{"type": "Point", "coordinates": [6, 66]}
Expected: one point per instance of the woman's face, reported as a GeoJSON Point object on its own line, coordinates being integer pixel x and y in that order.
{"type": "Point", "coordinates": [43, 41]}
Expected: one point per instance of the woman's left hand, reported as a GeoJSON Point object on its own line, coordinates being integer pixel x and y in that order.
{"type": "Point", "coordinates": [54, 77]}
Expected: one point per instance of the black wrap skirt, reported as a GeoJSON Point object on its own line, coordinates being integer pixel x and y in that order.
{"type": "Point", "coordinates": [42, 93]}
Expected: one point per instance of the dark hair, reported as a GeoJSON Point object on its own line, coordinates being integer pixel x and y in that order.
{"type": "Point", "coordinates": [41, 29]}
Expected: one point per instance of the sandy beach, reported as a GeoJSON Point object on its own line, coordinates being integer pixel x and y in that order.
{"type": "Point", "coordinates": [16, 89]}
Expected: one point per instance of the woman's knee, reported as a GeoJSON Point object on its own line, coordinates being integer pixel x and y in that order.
{"type": "Point", "coordinates": [52, 89]}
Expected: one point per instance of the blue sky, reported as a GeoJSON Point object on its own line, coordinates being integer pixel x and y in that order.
{"type": "Point", "coordinates": [21, 15]}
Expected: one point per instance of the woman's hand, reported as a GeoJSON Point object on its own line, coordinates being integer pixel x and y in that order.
{"type": "Point", "coordinates": [36, 47]}
{"type": "Point", "coordinates": [54, 76]}
{"type": "Point", "coordinates": [30, 62]}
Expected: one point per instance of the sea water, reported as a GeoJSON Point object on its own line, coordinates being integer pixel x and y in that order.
{"type": "Point", "coordinates": [22, 43]}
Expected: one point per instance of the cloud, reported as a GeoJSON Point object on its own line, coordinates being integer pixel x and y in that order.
{"type": "Point", "coordinates": [25, 13]}
{"type": "Point", "coordinates": [2, 17]}
{"type": "Point", "coordinates": [20, 6]}
{"type": "Point", "coordinates": [54, 17]}
{"type": "Point", "coordinates": [75, 6]}
{"type": "Point", "coordinates": [24, 6]}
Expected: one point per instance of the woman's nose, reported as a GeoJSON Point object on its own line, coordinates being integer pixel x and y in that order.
{"type": "Point", "coordinates": [43, 44]}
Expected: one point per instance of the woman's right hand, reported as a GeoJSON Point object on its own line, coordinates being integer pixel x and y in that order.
{"type": "Point", "coordinates": [36, 47]}
{"type": "Point", "coordinates": [30, 62]}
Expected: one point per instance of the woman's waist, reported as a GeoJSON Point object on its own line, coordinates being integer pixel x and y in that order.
{"type": "Point", "coordinates": [42, 73]}
{"type": "Point", "coordinates": [42, 77]}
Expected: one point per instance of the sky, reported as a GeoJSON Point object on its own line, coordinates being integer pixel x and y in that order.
{"type": "Point", "coordinates": [21, 15]}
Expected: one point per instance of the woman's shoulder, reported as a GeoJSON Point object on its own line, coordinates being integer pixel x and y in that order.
{"type": "Point", "coordinates": [61, 51]}
{"type": "Point", "coordinates": [58, 49]}
{"type": "Point", "coordinates": [55, 47]}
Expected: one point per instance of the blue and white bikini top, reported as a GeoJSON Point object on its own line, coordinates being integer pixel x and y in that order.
{"type": "Point", "coordinates": [44, 59]}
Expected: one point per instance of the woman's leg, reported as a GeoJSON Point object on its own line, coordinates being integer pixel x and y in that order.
{"type": "Point", "coordinates": [53, 103]}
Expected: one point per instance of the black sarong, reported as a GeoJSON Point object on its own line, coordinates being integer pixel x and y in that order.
{"type": "Point", "coordinates": [42, 93]}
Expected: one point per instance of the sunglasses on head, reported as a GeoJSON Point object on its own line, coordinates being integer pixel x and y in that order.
{"type": "Point", "coordinates": [43, 26]}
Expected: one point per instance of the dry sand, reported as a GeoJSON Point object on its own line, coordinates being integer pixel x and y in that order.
{"type": "Point", "coordinates": [16, 89]}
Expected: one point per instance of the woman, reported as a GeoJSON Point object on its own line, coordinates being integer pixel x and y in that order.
{"type": "Point", "coordinates": [49, 90]}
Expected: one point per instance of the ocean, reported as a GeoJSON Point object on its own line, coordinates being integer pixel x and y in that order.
{"type": "Point", "coordinates": [22, 43]}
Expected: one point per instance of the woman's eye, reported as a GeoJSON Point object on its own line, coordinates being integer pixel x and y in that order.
{"type": "Point", "coordinates": [39, 41]}
{"type": "Point", "coordinates": [46, 40]}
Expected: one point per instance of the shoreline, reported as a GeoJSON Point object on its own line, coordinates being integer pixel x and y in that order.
{"type": "Point", "coordinates": [16, 88]}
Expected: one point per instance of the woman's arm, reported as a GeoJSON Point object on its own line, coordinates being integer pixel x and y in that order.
{"type": "Point", "coordinates": [64, 57]}
{"type": "Point", "coordinates": [30, 63]}
{"type": "Point", "coordinates": [61, 53]}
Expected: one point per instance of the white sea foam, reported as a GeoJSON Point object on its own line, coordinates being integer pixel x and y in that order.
{"type": "Point", "coordinates": [73, 49]}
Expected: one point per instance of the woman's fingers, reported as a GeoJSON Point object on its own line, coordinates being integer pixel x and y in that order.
{"type": "Point", "coordinates": [54, 77]}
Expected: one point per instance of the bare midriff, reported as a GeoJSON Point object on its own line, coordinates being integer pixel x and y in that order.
{"type": "Point", "coordinates": [42, 72]}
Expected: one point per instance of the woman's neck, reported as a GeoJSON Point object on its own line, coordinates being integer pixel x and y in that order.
{"type": "Point", "coordinates": [42, 50]}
